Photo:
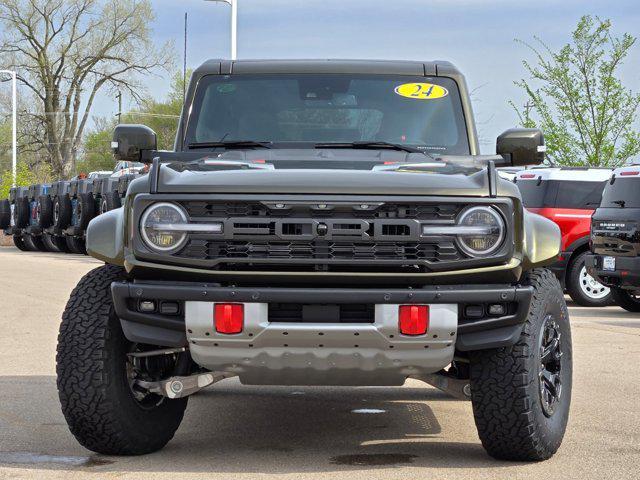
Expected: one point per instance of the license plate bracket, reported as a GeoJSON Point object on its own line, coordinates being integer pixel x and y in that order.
{"type": "Point", "coordinates": [609, 264]}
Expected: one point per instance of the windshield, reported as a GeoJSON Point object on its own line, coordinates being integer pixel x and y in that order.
{"type": "Point", "coordinates": [624, 192]}
{"type": "Point", "coordinates": [299, 111]}
{"type": "Point", "coordinates": [560, 194]}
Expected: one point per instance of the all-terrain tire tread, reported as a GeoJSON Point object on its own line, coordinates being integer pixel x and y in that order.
{"type": "Point", "coordinates": [500, 381]}
{"type": "Point", "coordinates": [18, 241]}
{"type": "Point", "coordinates": [82, 377]}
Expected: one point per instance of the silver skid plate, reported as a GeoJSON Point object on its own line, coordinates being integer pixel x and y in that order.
{"type": "Point", "coordinates": [268, 353]}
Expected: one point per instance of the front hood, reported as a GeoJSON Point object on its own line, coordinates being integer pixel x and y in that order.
{"type": "Point", "coordinates": [322, 181]}
{"type": "Point", "coordinates": [353, 172]}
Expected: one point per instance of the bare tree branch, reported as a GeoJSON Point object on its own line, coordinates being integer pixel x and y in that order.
{"type": "Point", "coordinates": [68, 51]}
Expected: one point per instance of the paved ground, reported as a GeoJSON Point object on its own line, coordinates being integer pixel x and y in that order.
{"type": "Point", "coordinates": [233, 431]}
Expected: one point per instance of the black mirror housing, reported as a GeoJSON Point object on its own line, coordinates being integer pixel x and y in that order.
{"type": "Point", "coordinates": [522, 146]}
{"type": "Point", "coordinates": [130, 142]}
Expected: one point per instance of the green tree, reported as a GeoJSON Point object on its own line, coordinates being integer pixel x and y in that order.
{"type": "Point", "coordinates": [575, 96]}
{"type": "Point", "coordinates": [160, 115]}
{"type": "Point", "coordinates": [25, 175]}
{"type": "Point", "coordinates": [96, 151]}
{"type": "Point", "coordinates": [5, 144]}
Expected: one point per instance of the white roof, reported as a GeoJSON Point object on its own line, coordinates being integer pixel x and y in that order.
{"type": "Point", "coordinates": [567, 174]}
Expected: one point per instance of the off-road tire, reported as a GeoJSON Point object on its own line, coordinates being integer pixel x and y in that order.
{"type": "Point", "coordinates": [112, 200]}
{"type": "Point", "coordinates": [45, 206]}
{"type": "Point", "coordinates": [5, 214]}
{"type": "Point", "coordinates": [18, 241]}
{"type": "Point", "coordinates": [49, 244]}
{"type": "Point", "coordinates": [34, 244]}
{"type": "Point", "coordinates": [91, 367]}
{"type": "Point", "coordinates": [76, 245]}
{"type": "Point", "coordinates": [60, 243]}
{"type": "Point", "coordinates": [574, 290]}
{"type": "Point", "coordinates": [86, 209]}
{"type": "Point", "coordinates": [625, 299]}
{"type": "Point", "coordinates": [63, 204]}
{"type": "Point", "coordinates": [22, 212]}
{"type": "Point", "coordinates": [505, 383]}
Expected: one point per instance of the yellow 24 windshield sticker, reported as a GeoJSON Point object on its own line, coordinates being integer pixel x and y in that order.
{"type": "Point", "coordinates": [421, 91]}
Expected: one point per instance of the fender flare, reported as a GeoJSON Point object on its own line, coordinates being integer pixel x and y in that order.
{"type": "Point", "coordinates": [578, 244]}
{"type": "Point", "coordinates": [541, 242]}
{"type": "Point", "coordinates": [105, 237]}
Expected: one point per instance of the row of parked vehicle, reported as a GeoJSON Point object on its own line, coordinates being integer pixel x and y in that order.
{"type": "Point", "coordinates": [54, 217]}
{"type": "Point", "coordinates": [568, 197]}
{"type": "Point", "coordinates": [598, 212]}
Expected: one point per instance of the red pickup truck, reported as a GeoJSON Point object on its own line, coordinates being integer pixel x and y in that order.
{"type": "Point", "coordinates": [569, 196]}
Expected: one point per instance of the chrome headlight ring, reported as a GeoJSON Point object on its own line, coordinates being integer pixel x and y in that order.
{"type": "Point", "coordinates": [163, 229]}
{"type": "Point", "coordinates": [483, 230]}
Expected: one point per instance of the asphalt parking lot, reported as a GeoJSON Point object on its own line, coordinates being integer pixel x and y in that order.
{"type": "Point", "coordinates": [235, 431]}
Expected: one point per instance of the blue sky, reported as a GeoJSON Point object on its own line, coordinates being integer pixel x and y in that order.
{"type": "Point", "coordinates": [476, 35]}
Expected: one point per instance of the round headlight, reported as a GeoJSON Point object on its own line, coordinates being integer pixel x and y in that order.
{"type": "Point", "coordinates": [486, 231]}
{"type": "Point", "coordinates": [160, 227]}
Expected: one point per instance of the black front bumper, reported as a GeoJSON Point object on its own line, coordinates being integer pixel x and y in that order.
{"type": "Point", "coordinates": [626, 274]}
{"type": "Point", "coordinates": [479, 332]}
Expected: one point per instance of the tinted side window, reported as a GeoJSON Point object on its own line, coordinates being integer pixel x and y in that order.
{"type": "Point", "coordinates": [623, 192]}
{"type": "Point", "coordinates": [561, 194]}
{"type": "Point", "coordinates": [537, 194]}
{"type": "Point", "coordinates": [583, 195]}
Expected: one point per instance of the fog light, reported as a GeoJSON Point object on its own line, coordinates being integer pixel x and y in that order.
{"type": "Point", "coordinates": [496, 309]}
{"type": "Point", "coordinates": [414, 319]}
{"type": "Point", "coordinates": [147, 306]}
{"type": "Point", "coordinates": [228, 317]}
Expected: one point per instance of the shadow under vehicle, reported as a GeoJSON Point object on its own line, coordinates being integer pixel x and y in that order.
{"type": "Point", "coordinates": [320, 223]}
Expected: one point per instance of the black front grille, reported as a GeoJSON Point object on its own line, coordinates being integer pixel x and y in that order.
{"type": "Point", "coordinates": [443, 251]}
{"type": "Point", "coordinates": [438, 212]}
{"type": "Point", "coordinates": [308, 235]}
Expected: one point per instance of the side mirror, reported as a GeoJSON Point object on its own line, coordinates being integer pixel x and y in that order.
{"type": "Point", "coordinates": [130, 141]}
{"type": "Point", "coordinates": [522, 146]}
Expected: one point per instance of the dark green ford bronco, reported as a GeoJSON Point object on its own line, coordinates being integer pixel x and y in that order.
{"type": "Point", "coordinates": [319, 223]}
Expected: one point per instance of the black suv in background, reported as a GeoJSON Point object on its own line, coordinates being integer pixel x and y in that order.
{"type": "Point", "coordinates": [615, 238]}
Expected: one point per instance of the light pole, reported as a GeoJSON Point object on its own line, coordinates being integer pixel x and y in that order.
{"type": "Point", "coordinates": [234, 25]}
{"type": "Point", "coordinates": [14, 102]}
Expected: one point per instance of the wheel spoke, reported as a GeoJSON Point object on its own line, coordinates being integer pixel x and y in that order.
{"type": "Point", "coordinates": [551, 351]}
{"type": "Point", "coordinates": [550, 365]}
{"type": "Point", "coordinates": [550, 380]}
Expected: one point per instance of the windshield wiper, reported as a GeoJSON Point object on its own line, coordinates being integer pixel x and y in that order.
{"type": "Point", "coordinates": [622, 203]}
{"type": "Point", "coordinates": [231, 144]}
{"type": "Point", "coordinates": [371, 145]}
